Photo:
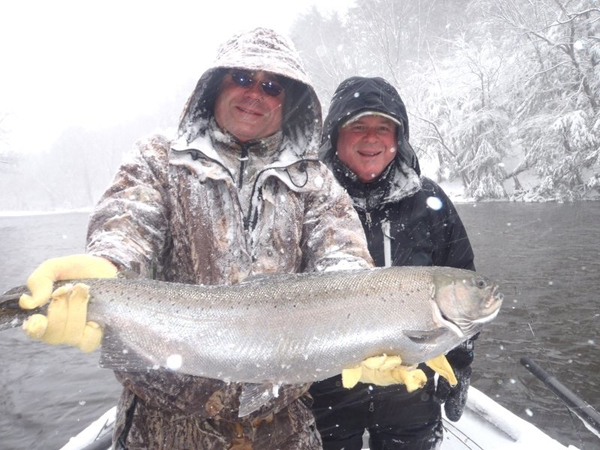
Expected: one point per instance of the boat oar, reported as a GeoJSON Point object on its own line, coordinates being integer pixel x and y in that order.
{"type": "Point", "coordinates": [579, 407]}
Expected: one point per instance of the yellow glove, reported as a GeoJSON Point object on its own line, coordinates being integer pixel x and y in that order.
{"type": "Point", "coordinates": [383, 371]}
{"type": "Point", "coordinates": [66, 321]}
{"type": "Point", "coordinates": [386, 370]}
{"type": "Point", "coordinates": [66, 268]}
{"type": "Point", "coordinates": [441, 365]}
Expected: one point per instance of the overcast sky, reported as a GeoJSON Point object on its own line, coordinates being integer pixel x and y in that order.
{"type": "Point", "coordinates": [96, 63]}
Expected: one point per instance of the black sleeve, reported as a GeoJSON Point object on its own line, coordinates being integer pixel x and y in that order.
{"type": "Point", "coordinates": [452, 247]}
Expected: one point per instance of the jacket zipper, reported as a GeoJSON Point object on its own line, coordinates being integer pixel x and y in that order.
{"type": "Point", "coordinates": [243, 162]}
{"type": "Point", "coordinates": [387, 244]}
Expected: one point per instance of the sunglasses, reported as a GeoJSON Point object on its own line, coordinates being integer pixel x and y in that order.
{"type": "Point", "coordinates": [244, 79]}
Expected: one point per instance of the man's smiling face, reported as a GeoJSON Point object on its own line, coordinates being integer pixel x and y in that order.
{"type": "Point", "coordinates": [248, 112]}
{"type": "Point", "coordinates": [367, 146]}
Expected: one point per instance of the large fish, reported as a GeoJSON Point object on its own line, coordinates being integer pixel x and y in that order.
{"type": "Point", "coordinates": [284, 329]}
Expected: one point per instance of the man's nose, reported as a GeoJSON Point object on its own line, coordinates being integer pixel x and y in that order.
{"type": "Point", "coordinates": [371, 134]}
{"type": "Point", "coordinates": [255, 90]}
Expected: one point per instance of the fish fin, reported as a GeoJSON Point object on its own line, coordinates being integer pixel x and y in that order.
{"type": "Point", "coordinates": [270, 277]}
{"type": "Point", "coordinates": [255, 396]}
{"type": "Point", "coordinates": [129, 274]}
{"type": "Point", "coordinates": [115, 355]}
{"type": "Point", "coordinates": [421, 336]}
{"type": "Point", "coordinates": [441, 365]}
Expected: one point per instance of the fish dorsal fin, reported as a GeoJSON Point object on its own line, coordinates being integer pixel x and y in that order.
{"type": "Point", "coordinates": [422, 336]}
{"type": "Point", "coordinates": [255, 396]}
{"type": "Point", "coordinates": [129, 274]}
{"type": "Point", "coordinates": [271, 277]}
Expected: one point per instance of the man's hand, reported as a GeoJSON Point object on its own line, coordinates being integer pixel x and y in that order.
{"type": "Point", "coordinates": [73, 267]}
{"type": "Point", "coordinates": [383, 371]}
{"type": "Point", "coordinates": [455, 398]}
{"type": "Point", "coordinates": [66, 322]}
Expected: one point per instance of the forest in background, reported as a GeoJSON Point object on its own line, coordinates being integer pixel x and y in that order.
{"type": "Point", "coordinates": [503, 97]}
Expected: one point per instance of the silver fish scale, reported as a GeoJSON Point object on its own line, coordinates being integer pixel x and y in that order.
{"type": "Point", "coordinates": [281, 328]}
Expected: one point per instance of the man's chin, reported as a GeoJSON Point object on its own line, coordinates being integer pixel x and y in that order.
{"type": "Point", "coordinates": [244, 134]}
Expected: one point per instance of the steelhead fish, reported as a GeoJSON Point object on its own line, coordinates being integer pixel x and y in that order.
{"type": "Point", "coordinates": [283, 329]}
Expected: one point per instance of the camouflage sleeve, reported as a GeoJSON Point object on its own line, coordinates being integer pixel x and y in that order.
{"type": "Point", "coordinates": [129, 224]}
{"type": "Point", "coordinates": [332, 235]}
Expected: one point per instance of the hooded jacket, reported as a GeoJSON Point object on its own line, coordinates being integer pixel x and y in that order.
{"type": "Point", "coordinates": [205, 208]}
{"type": "Point", "coordinates": [407, 218]}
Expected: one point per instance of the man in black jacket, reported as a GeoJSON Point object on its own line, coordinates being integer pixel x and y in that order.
{"type": "Point", "coordinates": [408, 221]}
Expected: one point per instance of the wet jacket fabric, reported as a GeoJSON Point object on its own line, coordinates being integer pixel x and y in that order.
{"type": "Point", "coordinates": [408, 220]}
{"type": "Point", "coordinates": [205, 208]}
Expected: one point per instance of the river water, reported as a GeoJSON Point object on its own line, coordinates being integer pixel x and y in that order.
{"type": "Point", "coordinates": [545, 257]}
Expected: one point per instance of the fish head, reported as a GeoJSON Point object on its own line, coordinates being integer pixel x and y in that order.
{"type": "Point", "coordinates": [463, 301]}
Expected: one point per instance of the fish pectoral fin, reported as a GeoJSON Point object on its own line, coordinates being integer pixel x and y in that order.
{"type": "Point", "coordinates": [441, 365]}
{"type": "Point", "coordinates": [422, 336]}
{"type": "Point", "coordinates": [116, 355]}
{"type": "Point", "coordinates": [255, 396]}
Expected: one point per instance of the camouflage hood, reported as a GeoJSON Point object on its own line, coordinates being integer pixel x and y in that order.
{"type": "Point", "coordinates": [260, 49]}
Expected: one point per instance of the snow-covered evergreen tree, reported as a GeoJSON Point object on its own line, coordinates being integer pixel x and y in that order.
{"type": "Point", "coordinates": [497, 90]}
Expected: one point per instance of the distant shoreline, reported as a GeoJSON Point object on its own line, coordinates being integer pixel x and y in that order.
{"type": "Point", "coordinates": [455, 200]}
{"type": "Point", "coordinates": [44, 213]}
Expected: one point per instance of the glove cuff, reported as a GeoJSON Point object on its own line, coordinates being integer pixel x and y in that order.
{"type": "Point", "coordinates": [462, 356]}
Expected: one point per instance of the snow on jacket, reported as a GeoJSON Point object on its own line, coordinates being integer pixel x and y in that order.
{"type": "Point", "coordinates": [408, 219]}
{"type": "Point", "coordinates": [205, 208]}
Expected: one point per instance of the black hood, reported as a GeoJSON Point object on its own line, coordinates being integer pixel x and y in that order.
{"type": "Point", "coordinates": [358, 94]}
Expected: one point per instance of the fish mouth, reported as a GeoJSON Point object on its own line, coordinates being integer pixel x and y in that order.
{"type": "Point", "coordinates": [495, 300]}
{"type": "Point", "coordinates": [492, 306]}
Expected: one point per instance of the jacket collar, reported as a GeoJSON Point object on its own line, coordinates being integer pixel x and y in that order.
{"type": "Point", "coordinates": [204, 156]}
{"type": "Point", "coordinates": [215, 142]}
{"type": "Point", "coordinates": [396, 182]}
{"type": "Point", "coordinates": [227, 145]}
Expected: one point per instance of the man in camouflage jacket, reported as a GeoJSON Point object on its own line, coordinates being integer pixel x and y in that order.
{"type": "Point", "coordinates": [215, 206]}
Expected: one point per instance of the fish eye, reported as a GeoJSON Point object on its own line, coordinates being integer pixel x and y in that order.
{"type": "Point", "coordinates": [480, 283]}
